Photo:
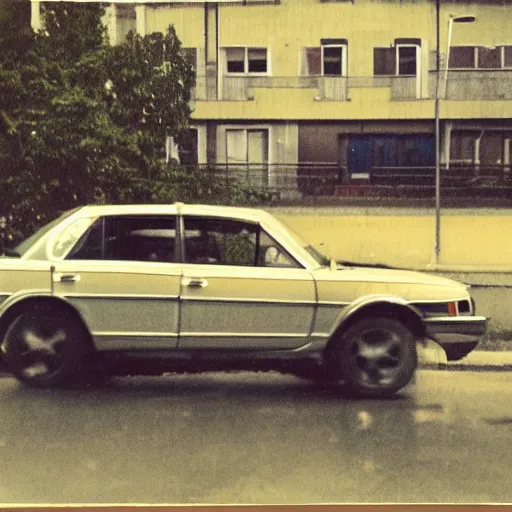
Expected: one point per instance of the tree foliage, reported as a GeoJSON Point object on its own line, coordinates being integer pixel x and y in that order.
{"type": "Point", "coordinates": [82, 121]}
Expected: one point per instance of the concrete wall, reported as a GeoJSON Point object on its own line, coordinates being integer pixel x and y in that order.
{"type": "Point", "coordinates": [476, 246]}
{"type": "Point", "coordinates": [479, 240]}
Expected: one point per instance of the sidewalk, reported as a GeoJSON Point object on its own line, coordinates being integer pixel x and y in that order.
{"type": "Point", "coordinates": [433, 357]}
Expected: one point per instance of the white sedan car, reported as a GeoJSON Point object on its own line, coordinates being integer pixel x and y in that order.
{"type": "Point", "coordinates": [182, 288]}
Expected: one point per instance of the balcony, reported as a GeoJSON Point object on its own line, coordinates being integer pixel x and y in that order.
{"type": "Point", "coordinates": [329, 88]}
{"type": "Point", "coordinates": [476, 85]}
{"type": "Point", "coordinates": [461, 85]}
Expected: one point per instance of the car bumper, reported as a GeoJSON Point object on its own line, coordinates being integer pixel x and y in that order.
{"type": "Point", "coordinates": [458, 336]}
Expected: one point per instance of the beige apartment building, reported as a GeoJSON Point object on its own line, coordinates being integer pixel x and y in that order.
{"type": "Point", "coordinates": [342, 87]}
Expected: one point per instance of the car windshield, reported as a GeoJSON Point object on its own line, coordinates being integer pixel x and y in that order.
{"type": "Point", "coordinates": [24, 246]}
{"type": "Point", "coordinates": [321, 259]}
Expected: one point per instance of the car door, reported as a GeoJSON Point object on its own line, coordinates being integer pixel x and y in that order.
{"type": "Point", "coordinates": [234, 298]}
{"type": "Point", "coordinates": [121, 276]}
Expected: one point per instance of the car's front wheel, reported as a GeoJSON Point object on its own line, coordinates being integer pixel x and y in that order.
{"type": "Point", "coordinates": [45, 347]}
{"type": "Point", "coordinates": [374, 357]}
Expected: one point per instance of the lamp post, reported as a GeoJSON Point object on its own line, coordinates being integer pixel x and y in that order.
{"type": "Point", "coordinates": [468, 18]}
{"type": "Point", "coordinates": [465, 18]}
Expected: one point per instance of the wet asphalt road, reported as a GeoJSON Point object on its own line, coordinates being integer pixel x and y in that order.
{"type": "Point", "coordinates": [257, 438]}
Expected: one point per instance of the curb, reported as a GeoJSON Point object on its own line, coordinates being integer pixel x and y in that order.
{"type": "Point", "coordinates": [458, 366]}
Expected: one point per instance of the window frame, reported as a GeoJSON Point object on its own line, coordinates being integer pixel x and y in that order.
{"type": "Point", "coordinates": [476, 50]}
{"type": "Point", "coordinates": [304, 63]}
{"type": "Point", "coordinates": [343, 48]}
{"type": "Point", "coordinates": [259, 231]}
{"type": "Point", "coordinates": [416, 59]}
{"type": "Point", "coordinates": [246, 71]}
{"type": "Point", "coordinates": [104, 219]}
{"type": "Point", "coordinates": [476, 135]}
{"type": "Point", "coordinates": [396, 50]}
{"type": "Point", "coordinates": [246, 131]}
{"type": "Point", "coordinates": [174, 151]}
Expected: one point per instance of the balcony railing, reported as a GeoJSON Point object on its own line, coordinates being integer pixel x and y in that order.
{"type": "Point", "coordinates": [477, 85]}
{"type": "Point", "coordinates": [331, 88]}
{"type": "Point", "coordinates": [461, 85]}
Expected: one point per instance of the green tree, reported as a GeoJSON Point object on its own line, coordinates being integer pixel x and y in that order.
{"type": "Point", "coordinates": [83, 121]}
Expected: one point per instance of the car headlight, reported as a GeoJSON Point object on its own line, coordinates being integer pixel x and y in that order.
{"type": "Point", "coordinates": [452, 308]}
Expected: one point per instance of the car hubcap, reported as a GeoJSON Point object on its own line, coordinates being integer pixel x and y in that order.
{"type": "Point", "coordinates": [378, 356]}
{"type": "Point", "coordinates": [41, 355]}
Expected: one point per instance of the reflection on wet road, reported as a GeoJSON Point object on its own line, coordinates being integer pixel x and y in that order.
{"type": "Point", "coordinates": [257, 438]}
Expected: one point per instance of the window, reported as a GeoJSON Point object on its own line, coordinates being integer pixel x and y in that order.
{"type": "Point", "coordinates": [407, 60]}
{"type": "Point", "coordinates": [507, 56]}
{"type": "Point", "coordinates": [215, 241]}
{"type": "Point", "coordinates": [247, 156]}
{"type": "Point", "coordinates": [190, 55]}
{"type": "Point", "coordinates": [462, 57]}
{"type": "Point", "coordinates": [492, 148]}
{"type": "Point", "coordinates": [384, 61]}
{"type": "Point", "coordinates": [257, 60]}
{"type": "Point", "coordinates": [312, 64]}
{"type": "Point", "coordinates": [489, 58]}
{"type": "Point", "coordinates": [329, 60]}
{"type": "Point", "coordinates": [132, 238]}
{"type": "Point", "coordinates": [246, 60]}
{"type": "Point", "coordinates": [220, 242]}
{"type": "Point", "coordinates": [235, 58]}
{"type": "Point", "coordinates": [183, 149]}
{"type": "Point", "coordinates": [368, 152]}
{"type": "Point", "coordinates": [332, 60]}
{"type": "Point", "coordinates": [125, 20]}
{"type": "Point", "coordinates": [480, 57]}
{"type": "Point", "coordinates": [71, 236]}
{"type": "Point", "coordinates": [247, 146]}
{"type": "Point", "coordinates": [486, 148]}
{"type": "Point", "coordinates": [273, 254]}
{"type": "Point", "coordinates": [462, 147]}
{"type": "Point", "coordinates": [399, 60]}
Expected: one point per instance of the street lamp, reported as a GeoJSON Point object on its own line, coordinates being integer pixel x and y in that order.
{"type": "Point", "coordinates": [467, 18]}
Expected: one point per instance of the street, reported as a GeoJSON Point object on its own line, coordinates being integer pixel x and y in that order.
{"type": "Point", "coordinates": [257, 438]}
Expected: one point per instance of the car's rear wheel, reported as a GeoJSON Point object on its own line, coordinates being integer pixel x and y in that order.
{"type": "Point", "coordinates": [375, 357]}
{"type": "Point", "coordinates": [45, 347]}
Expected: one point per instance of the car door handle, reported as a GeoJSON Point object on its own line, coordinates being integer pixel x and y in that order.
{"type": "Point", "coordinates": [195, 282]}
{"type": "Point", "coordinates": [66, 278]}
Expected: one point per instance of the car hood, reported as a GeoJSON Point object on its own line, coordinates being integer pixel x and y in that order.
{"type": "Point", "coordinates": [409, 285]}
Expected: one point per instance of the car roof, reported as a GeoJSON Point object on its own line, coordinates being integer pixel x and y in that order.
{"type": "Point", "coordinates": [235, 212]}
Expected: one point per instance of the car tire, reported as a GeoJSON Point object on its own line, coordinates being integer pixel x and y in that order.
{"type": "Point", "coordinates": [375, 357]}
{"type": "Point", "coordinates": [45, 347]}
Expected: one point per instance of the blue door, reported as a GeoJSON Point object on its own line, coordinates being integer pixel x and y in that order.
{"type": "Point", "coordinates": [360, 156]}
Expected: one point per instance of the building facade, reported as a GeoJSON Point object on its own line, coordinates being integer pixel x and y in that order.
{"type": "Point", "coordinates": [342, 87]}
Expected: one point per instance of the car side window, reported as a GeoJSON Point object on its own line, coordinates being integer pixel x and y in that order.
{"type": "Point", "coordinates": [129, 238]}
{"type": "Point", "coordinates": [220, 241]}
{"type": "Point", "coordinates": [273, 254]}
{"type": "Point", "coordinates": [228, 242]}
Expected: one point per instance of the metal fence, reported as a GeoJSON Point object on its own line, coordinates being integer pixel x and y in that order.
{"type": "Point", "coordinates": [330, 182]}
{"type": "Point", "coordinates": [278, 181]}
